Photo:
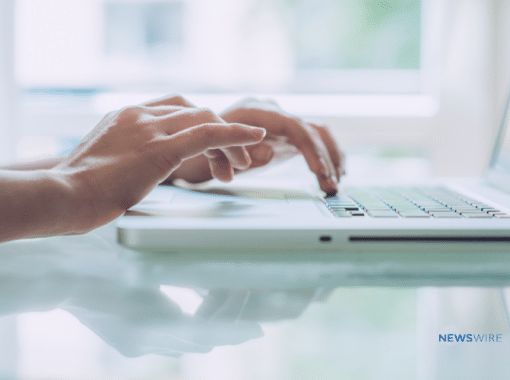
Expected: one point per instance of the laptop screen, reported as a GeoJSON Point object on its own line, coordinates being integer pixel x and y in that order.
{"type": "Point", "coordinates": [499, 169]}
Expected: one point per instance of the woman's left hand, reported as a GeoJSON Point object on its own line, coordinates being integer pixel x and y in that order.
{"type": "Point", "coordinates": [288, 135]}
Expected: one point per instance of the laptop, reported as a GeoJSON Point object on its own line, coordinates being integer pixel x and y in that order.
{"type": "Point", "coordinates": [279, 217]}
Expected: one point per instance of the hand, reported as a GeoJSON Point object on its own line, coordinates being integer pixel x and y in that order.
{"type": "Point", "coordinates": [134, 149]}
{"type": "Point", "coordinates": [286, 136]}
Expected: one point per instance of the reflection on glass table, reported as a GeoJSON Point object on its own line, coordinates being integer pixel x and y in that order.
{"type": "Point", "coordinates": [226, 320]}
{"type": "Point", "coordinates": [56, 286]}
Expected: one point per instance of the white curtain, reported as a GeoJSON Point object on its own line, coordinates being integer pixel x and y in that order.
{"type": "Point", "coordinates": [472, 87]}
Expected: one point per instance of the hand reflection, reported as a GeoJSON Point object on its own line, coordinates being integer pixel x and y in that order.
{"type": "Point", "coordinates": [139, 321]}
{"type": "Point", "coordinates": [118, 296]}
{"type": "Point", "coordinates": [261, 305]}
{"type": "Point", "coordinates": [85, 276]}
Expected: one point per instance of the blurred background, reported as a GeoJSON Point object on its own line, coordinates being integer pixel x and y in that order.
{"type": "Point", "coordinates": [408, 77]}
{"type": "Point", "coordinates": [418, 84]}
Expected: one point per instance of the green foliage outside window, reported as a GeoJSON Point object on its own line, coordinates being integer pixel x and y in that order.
{"type": "Point", "coordinates": [355, 34]}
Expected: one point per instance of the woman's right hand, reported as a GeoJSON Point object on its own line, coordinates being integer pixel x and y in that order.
{"type": "Point", "coordinates": [134, 149]}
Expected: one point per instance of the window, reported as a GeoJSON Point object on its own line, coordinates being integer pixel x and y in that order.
{"type": "Point", "coordinates": [135, 29]}
{"type": "Point", "coordinates": [227, 46]}
{"type": "Point", "coordinates": [76, 60]}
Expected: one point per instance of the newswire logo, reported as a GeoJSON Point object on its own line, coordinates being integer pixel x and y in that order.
{"type": "Point", "coordinates": [471, 338]}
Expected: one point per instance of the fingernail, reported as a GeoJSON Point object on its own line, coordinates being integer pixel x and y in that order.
{"type": "Point", "coordinates": [262, 153]}
{"type": "Point", "coordinates": [259, 133]}
{"type": "Point", "coordinates": [332, 192]}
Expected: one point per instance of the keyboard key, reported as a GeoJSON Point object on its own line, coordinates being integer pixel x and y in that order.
{"type": "Point", "coordinates": [437, 209]}
{"type": "Point", "coordinates": [466, 209]}
{"type": "Point", "coordinates": [382, 214]}
{"type": "Point", "coordinates": [414, 214]}
{"type": "Point", "coordinates": [477, 215]}
{"type": "Point", "coordinates": [445, 215]}
{"type": "Point", "coordinates": [342, 214]}
{"type": "Point", "coordinates": [374, 205]}
{"type": "Point", "coordinates": [482, 206]}
{"type": "Point", "coordinates": [346, 208]}
{"type": "Point", "coordinates": [386, 209]}
{"type": "Point", "coordinates": [334, 203]}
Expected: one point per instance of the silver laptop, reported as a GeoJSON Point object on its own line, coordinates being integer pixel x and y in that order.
{"type": "Point", "coordinates": [280, 217]}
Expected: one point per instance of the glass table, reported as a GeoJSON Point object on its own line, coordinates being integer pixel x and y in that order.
{"type": "Point", "coordinates": [82, 307]}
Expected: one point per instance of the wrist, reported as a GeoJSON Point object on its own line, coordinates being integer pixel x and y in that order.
{"type": "Point", "coordinates": [77, 211]}
{"type": "Point", "coordinates": [36, 204]}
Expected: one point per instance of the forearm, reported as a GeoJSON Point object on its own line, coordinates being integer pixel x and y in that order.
{"type": "Point", "coordinates": [46, 163]}
{"type": "Point", "coordinates": [35, 204]}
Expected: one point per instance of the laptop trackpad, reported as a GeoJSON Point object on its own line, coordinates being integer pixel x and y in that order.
{"type": "Point", "coordinates": [213, 203]}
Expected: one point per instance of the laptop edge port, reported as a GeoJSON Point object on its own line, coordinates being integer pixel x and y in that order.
{"type": "Point", "coordinates": [325, 239]}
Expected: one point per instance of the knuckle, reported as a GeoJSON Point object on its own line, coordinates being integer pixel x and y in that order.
{"type": "Point", "coordinates": [207, 114]}
{"type": "Point", "coordinates": [294, 125]}
{"type": "Point", "coordinates": [131, 112]}
{"type": "Point", "coordinates": [178, 100]}
{"type": "Point", "coordinates": [207, 131]}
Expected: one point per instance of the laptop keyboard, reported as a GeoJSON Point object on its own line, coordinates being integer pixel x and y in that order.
{"type": "Point", "coordinates": [408, 202]}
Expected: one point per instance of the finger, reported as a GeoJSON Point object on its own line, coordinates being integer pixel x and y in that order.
{"type": "Point", "coordinates": [298, 133]}
{"type": "Point", "coordinates": [261, 154]}
{"type": "Point", "coordinates": [309, 143]}
{"type": "Point", "coordinates": [222, 162]}
{"type": "Point", "coordinates": [238, 157]}
{"type": "Point", "coordinates": [219, 165]}
{"type": "Point", "coordinates": [335, 153]}
{"type": "Point", "coordinates": [187, 118]}
{"type": "Point", "coordinates": [196, 140]}
{"type": "Point", "coordinates": [170, 100]}
{"type": "Point", "coordinates": [161, 111]}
